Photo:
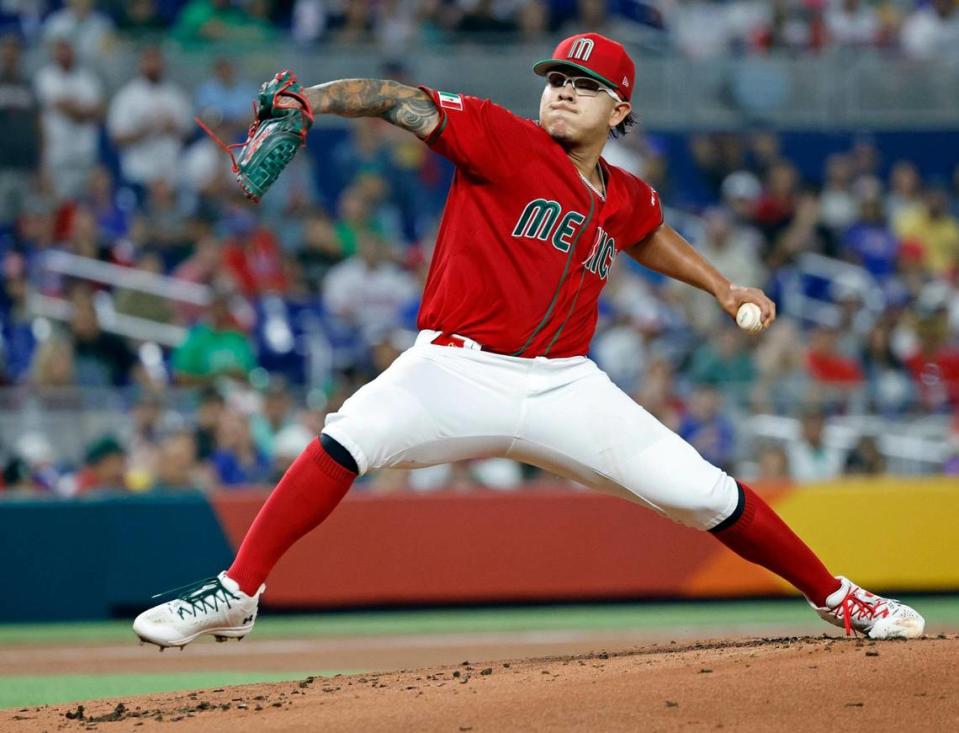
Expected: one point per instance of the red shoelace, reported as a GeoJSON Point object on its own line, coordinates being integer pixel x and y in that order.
{"type": "Point", "coordinates": [876, 608]}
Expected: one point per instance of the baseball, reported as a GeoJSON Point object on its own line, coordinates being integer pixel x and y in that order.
{"type": "Point", "coordinates": [749, 318]}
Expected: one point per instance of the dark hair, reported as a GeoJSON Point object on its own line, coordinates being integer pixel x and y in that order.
{"type": "Point", "coordinates": [623, 127]}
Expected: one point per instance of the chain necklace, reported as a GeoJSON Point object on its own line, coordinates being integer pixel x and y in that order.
{"type": "Point", "coordinates": [601, 194]}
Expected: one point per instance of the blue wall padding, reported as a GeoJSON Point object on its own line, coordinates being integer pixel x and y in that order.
{"type": "Point", "coordinates": [97, 557]}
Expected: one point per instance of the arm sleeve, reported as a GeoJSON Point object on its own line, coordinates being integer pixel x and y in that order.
{"type": "Point", "coordinates": [481, 138]}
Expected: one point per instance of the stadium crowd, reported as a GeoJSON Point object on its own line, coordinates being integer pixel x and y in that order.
{"type": "Point", "coordinates": [311, 294]}
{"type": "Point", "coordinates": [920, 29]}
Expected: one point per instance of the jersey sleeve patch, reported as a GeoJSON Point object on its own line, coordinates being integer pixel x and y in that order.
{"type": "Point", "coordinates": [448, 100]}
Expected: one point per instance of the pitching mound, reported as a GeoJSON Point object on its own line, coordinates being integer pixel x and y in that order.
{"type": "Point", "coordinates": [783, 684]}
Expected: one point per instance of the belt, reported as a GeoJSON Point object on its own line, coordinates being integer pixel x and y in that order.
{"type": "Point", "coordinates": [457, 341]}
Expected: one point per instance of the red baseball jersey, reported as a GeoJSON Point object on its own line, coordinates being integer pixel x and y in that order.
{"type": "Point", "coordinates": [525, 245]}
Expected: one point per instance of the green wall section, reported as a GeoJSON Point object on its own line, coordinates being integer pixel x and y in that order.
{"type": "Point", "coordinates": [93, 558]}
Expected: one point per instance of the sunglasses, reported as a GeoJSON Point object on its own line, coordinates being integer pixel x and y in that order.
{"type": "Point", "coordinates": [584, 86]}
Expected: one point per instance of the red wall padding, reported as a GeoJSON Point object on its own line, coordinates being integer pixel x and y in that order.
{"type": "Point", "coordinates": [482, 546]}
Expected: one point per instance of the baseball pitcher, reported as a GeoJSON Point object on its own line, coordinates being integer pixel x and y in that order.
{"type": "Point", "coordinates": [533, 224]}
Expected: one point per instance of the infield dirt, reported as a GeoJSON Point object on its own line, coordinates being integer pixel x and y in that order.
{"type": "Point", "coordinates": [786, 684]}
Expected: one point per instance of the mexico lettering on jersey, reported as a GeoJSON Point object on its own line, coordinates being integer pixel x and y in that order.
{"type": "Point", "coordinates": [524, 247]}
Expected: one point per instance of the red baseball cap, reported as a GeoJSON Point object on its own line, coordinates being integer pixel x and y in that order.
{"type": "Point", "coordinates": [597, 56]}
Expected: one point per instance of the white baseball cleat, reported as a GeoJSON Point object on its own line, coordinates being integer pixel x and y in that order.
{"type": "Point", "coordinates": [214, 606]}
{"type": "Point", "coordinates": [859, 611]}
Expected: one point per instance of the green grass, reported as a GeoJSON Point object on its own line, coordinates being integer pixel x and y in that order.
{"type": "Point", "coordinates": [23, 691]}
{"type": "Point", "coordinates": [939, 610]}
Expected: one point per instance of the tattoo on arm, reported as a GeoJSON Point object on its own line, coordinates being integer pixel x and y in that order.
{"type": "Point", "coordinates": [406, 107]}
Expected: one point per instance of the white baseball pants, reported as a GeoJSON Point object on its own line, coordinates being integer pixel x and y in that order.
{"type": "Point", "coordinates": [438, 404]}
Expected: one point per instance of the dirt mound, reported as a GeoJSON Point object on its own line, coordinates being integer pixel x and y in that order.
{"type": "Point", "coordinates": [787, 684]}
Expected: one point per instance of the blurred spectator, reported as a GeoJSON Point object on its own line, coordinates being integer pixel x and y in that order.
{"type": "Point", "coordinates": [204, 21]}
{"type": "Point", "coordinates": [773, 466]}
{"type": "Point", "coordinates": [32, 466]}
{"type": "Point", "coordinates": [932, 227]}
{"type": "Point", "coordinates": [905, 189]}
{"type": "Point", "coordinates": [236, 459]}
{"type": "Point", "coordinates": [227, 95]}
{"type": "Point", "coordinates": [932, 31]}
{"type": "Point", "coordinates": [722, 362]}
{"type": "Point", "coordinates": [837, 204]}
{"type": "Point", "coordinates": [83, 236]}
{"type": "Point", "coordinates": [934, 363]}
{"type": "Point", "coordinates": [709, 431]}
{"type": "Point", "coordinates": [86, 29]}
{"type": "Point", "coordinates": [72, 102]}
{"type": "Point", "coordinates": [734, 250]}
{"type": "Point", "coordinates": [657, 394]}
{"type": "Point", "coordinates": [140, 20]}
{"type": "Point", "coordinates": [888, 386]}
{"type": "Point", "coordinates": [209, 408]}
{"type": "Point", "coordinates": [310, 19]}
{"type": "Point", "coordinates": [289, 443]}
{"type": "Point", "coordinates": [274, 415]}
{"type": "Point", "coordinates": [740, 191]}
{"type": "Point", "coordinates": [827, 364]}
{"type": "Point", "coordinates": [870, 242]}
{"type": "Point", "coordinates": [166, 220]}
{"type": "Point", "coordinates": [148, 119]}
{"type": "Point", "coordinates": [852, 23]}
{"type": "Point", "coordinates": [104, 468]}
{"type": "Point", "coordinates": [20, 122]}
{"type": "Point", "coordinates": [865, 459]}
{"type": "Point", "coordinates": [17, 336]}
{"type": "Point", "coordinates": [112, 219]}
{"type": "Point", "coordinates": [252, 255]}
{"type": "Point", "coordinates": [791, 27]}
{"type": "Point", "coordinates": [214, 348]}
{"type": "Point", "coordinates": [368, 291]}
{"type": "Point", "coordinates": [100, 359]}
{"type": "Point", "coordinates": [778, 203]}
{"type": "Point", "coordinates": [142, 440]}
{"type": "Point", "coordinates": [717, 155]}
{"type": "Point", "coordinates": [811, 459]}
{"type": "Point", "coordinates": [203, 266]}
{"type": "Point", "coordinates": [321, 250]}
{"type": "Point", "coordinates": [701, 29]}
{"type": "Point", "coordinates": [177, 466]}
{"type": "Point", "coordinates": [52, 364]}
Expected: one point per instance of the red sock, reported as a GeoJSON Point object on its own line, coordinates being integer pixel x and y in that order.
{"type": "Point", "coordinates": [309, 490]}
{"type": "Point", "coordinates": [760, 536]}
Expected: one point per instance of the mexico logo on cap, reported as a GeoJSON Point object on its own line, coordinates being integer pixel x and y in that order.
{"type": "Point", "coordinates": [581, 49]}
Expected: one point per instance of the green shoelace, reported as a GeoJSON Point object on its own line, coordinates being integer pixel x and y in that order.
{"type": "Point", "coordinates": [204, 596]}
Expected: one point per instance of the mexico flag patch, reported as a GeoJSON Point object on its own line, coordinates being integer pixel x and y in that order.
{"type": "Point", "coordinates": [450, 101]}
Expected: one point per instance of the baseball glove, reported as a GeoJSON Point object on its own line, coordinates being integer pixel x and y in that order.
{"type": "Point", "coordinates": [282, 118]}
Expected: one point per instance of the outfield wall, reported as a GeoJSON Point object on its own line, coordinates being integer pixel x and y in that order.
{"type": "Point", "coordinates": [105, 556]}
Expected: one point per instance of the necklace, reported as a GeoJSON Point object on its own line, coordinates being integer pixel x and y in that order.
{"type": "Point", "coordinates": [601, 194]}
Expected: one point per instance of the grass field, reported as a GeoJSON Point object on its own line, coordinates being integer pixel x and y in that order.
{"type": "Point", "coordinates": [657, 620]}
